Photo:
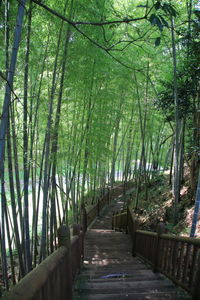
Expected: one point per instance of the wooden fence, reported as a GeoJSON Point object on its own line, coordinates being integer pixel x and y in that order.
{"type": "Point", "coordinates": [53, 279]}
{"type": "Point", "coordinates": [94, 212]}
{"type": "Point", "coordinates": [119, 221]}
{"type": "Point", "coordinates": [176, 257]}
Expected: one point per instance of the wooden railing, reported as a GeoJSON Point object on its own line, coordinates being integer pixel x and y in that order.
{"type": "Point", "coordinates": [119, 221]}
{"type": "Point", "coordinates": [102, 202]}
{"type": "Point", "coordinates": [54, 277]}
{"type": "Point", "coordinates": [176, 257]}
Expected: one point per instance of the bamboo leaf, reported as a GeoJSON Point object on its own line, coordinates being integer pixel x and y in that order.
{"type": "Point", "coordinates": [158, 5]}
{"type": "Point", "coordinates": [157, 41]}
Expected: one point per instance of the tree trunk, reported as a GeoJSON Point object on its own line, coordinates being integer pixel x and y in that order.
{"type": "Point", "coordinates": [28, 260]}
{"type": "Point", "coordinates": [196, 209]}
{"type": "Point", "coordinates": [177, 147]}
{"type": "Point", "coordinates": [9, 84]}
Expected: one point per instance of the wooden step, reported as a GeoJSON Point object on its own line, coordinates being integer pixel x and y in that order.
{"type": "Point", "coordinates": [110, 272]}
{"type": "Point", "coordinates": [133, 296]}
{"type": "Point", "coordinates": [144, 285]}
{"type": "Point", "coordinates": [126, 276]}
{"type": "Point", "coordinates": [126, 273]}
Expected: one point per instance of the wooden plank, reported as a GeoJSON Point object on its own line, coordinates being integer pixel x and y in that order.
{"type": "Point", "coordinates": [108, 252]}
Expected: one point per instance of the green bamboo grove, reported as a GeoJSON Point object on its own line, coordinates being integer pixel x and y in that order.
{"type": "Point", "coordinates": [91, 92]}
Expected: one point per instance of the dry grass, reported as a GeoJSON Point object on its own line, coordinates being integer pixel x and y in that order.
{"type": "Point", "coordinates": [159, 207]}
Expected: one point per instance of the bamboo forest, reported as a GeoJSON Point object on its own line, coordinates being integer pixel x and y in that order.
{"type": "Point", "coordinates": [94, 94]}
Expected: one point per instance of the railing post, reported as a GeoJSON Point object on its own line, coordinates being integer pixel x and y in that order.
{"type": "Point", "coordinates": [127, 215]}
{"type": "Point", "coordinates": [63, 236]}
{"type": "Point", "coordinates": [84, 218]}
{"type": "Point", "coordinates": [64, 240]}
{"type": "Point", "coordinates": [77, 232]}
{"type": "Point", "coordinates": [76, 229]}
{"type": "Point", "coordinates": [115, 221]}
{"type": "Point", "coordinates": [113, 218]}
{"type": "Point", "coordinates": [196, 292]}
{"type": "Point", "coordinates": [108, 196]}
{"type": "Point", "coordinates": [120, 221]}
{"type": "Point", "coordinates": [135, 228]}
{"type": "Point", "coordinates": [124, 188]}
{"type": "Point", "coordinates": [98, 207]}
{"type": "Point", "coordinates": [161, 228]}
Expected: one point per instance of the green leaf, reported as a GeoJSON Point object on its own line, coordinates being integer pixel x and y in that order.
{"type": "Point", "coordinates": [152, 19]}
{"type": "Point", "coordinates": [146, 6]}
{"type": "Point", "coordinates": [164, 22]}
{"type": "Point", "coordinates": [169, 9]}
{"type": "Point", "coordinates": [159, 24]}
{"type": "Point", "coordinates": [156, 21]}
{"type": "Point", "coordinates": [173, 11]}
{"type": "Point", "coordinates": [157, 5]}
{"type": "Point", "coordinates": [157, 41]}
{"type": "Point", "coordinates": [165, 7]}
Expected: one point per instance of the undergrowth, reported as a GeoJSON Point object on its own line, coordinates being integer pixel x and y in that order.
{"type": "Point", "coordinates": [159, 206]}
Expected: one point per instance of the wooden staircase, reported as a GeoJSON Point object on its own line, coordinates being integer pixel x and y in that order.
{"type": "Point", "coordinates": [111, 272]}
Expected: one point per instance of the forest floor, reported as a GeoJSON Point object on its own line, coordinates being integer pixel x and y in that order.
{"type": "Point", "coordinates": [159, 207]}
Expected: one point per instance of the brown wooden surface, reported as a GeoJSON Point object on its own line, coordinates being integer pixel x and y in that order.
{"type": "Point", "coordinates": [53, 278]}
{"type": "Point", "coordinates": [108, 252]}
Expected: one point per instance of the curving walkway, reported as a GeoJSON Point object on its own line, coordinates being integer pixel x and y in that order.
{"type": "Point", "coordinates": [110, 272]}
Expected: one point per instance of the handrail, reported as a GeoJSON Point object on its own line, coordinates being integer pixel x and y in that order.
{"type": "Point", "coordinates": [95, 210]}
{"type": "Point", "coordinates": [176, 257]}
{"type": "Point", "coordinates": [119, 221]}
{"type": "Point", "coordinates": [54, 277]}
